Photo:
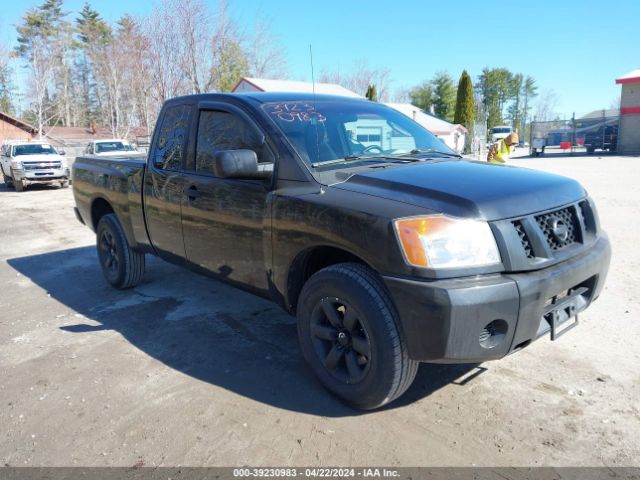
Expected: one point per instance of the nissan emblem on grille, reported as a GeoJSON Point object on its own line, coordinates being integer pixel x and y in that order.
{"type": "Point", "coordinates": [559, 229]}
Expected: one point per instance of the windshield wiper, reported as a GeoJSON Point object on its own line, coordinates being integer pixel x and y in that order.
{"type": "Point", "coordinates": [348, 158]}
{"type": "Point", "coordinates": [418, 151]}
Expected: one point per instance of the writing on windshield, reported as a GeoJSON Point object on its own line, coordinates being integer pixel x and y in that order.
{"type": "Point", "coordinates": [292, 112]}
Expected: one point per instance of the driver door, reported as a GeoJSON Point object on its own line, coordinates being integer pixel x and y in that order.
{"type": "Point", "coordinates": [225, 220]}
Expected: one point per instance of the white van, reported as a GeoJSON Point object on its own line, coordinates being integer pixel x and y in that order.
{"type": "Point", "coordinates": [499, 132]}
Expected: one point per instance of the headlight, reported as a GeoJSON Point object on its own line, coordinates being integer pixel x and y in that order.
{"type": "Point", "coordinates": [439, 241]}
{"type": "Point", "coordinates": [16, 165]}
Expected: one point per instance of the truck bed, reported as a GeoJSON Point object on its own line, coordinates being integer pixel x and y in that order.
{"type": "Point", "coordinates": [117, 180]}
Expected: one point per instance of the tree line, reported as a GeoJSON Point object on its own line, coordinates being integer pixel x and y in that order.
{"type": "Point", "coordinates": [502, 98]}
{"type": "Point", "coordinates": [82, 70]}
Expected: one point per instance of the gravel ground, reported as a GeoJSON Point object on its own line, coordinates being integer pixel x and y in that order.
{"type": "Point", "coordinates": [184, 370]}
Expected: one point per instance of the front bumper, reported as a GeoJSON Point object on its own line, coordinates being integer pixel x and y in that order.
{"type": "Point", "coordinates": [444, 321]}
{"type": "Point", "coordinates": [41, 176]}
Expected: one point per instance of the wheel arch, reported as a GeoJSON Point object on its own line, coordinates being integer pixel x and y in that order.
{"type": "Point", "coordinates": [99, 208]}
{"type": "Point", "coordinates": [310, 261]}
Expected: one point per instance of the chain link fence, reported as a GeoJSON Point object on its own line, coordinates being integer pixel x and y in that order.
{"type": "Point", "coordinates": [576, 135]}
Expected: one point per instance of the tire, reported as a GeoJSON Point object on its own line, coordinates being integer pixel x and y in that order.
{"type": "Point", "coordinates": [18, 185]}
{"type": "Point", "coordinates": [64, 184]}
{"type": "Point", "coordinates": [122, 267]}
{"type": "Point", "coordinates": [360, 356]}
{"type": "Point", "coordinates": [7, 180]}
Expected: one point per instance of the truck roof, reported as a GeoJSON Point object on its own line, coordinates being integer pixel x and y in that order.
{"type": "Point", "coordinates": [264, 97]}
{"type": "Point", "coordinates": [26, 142]}
{"type": "Point", "coordinates": [104, 140]}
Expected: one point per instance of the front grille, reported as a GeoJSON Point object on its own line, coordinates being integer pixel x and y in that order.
{"type": "Point", "coordinates": [541, 239]}
{"type": "Point", "coordinates": [560, 228]}
{"type": "Point", "coordinates": [524, 239]}
{"type": "Point", "coordinates": [41, 165]}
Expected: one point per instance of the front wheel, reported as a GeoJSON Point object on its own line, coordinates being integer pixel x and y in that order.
{"type": "Point", "coordinates": [121, 265]}
{"type": "Point", "coordinates": [348, 332]}
{"type": "Point", "coordinates": [18, 185]}
{"type": "Point", "coordinates": [8, 181]}
{"type": "Point", "coordinates": [64, 184]}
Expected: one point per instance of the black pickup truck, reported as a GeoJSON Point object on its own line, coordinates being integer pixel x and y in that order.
{"type": "Point", "coordinates": [388, 247]}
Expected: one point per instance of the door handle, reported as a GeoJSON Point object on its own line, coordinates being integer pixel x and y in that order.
{"type": "Point", "coordinates": [192, 192]}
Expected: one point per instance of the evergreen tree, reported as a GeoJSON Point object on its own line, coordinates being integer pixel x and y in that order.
{"type": "Point", "coordinates": [445, 96]}
{"type": "Point", "coordinates": [465, 102]}
{"type": "Point", "coordinates": [94, 34]}
{"type": "Point", "coordinates": [422, 96]}
{"type": "Point", "coordinates": [465, 107]}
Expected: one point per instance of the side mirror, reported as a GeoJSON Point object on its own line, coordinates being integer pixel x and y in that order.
{"type": "Point", "coordinates": [237, 164]}
{"type": "Point", "coordinates": [62, 152]}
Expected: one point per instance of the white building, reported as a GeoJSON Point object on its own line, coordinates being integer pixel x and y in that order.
{"type": "Point", "coordinates": [247, 84]}
{"type": "Point", "coordinates": [452, 135]}
{"type": "Point", "coordinates": [629, 129]}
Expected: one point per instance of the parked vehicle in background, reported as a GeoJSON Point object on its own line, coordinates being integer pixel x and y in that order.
{"type": "Point", "coordinates": [499, 132]}
{"type": "Point", "coordinates": [24, 163]}
{"type": "Point", "coordinates": [390, 251]}
{"type": "Point", "coordinates": [604, 138]}
{"type": "Point", "coordinates": [109, 148]}
{"type": "Point", "coordinates": [537, 147]}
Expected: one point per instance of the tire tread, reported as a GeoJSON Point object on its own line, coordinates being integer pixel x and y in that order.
{"type": "Point", "coordinates": [134, 262]}
{"type": "Point", "coordinates": [405, 367]}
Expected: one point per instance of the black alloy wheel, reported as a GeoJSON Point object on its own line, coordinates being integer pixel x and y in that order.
{"type": "Point", "coordinates": [108, 252]}
{"type": "Point", "coordinates": [340, 340]}
{"type": "Point", "coordinates": [122, 266]}
{"type": "Point", "coordinates": [349, 334]}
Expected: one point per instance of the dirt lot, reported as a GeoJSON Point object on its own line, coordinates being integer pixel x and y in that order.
{"type": "Point", "coordinates": [184, 370]}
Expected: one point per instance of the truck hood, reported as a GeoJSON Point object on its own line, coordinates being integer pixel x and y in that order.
{"type": "Point", "coordinates": [469, 189]}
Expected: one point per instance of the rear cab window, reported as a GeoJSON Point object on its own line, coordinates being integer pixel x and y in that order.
{"type": "Point", "coordinates": [172, 138]}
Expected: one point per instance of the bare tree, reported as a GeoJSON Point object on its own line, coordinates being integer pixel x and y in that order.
{"type": "Point", "coordinates": [192, 19]}
{"type": "Point", "coordinates": [36, 48]}
{"type": "Point", "coordinates": [266, 57]}
{"type": "Point", "coordinates": [165, 53]}
{"type": "Point", "coordinates": [615, 103]}
{"type": "Point", "coordinates": [546, 106]}
{"type": "Point", "coordinates": [360, 78]}
{"type": "Point", "coordinates": [401, 95]}
{"type": "Point", "coordinates": [142, 107]}
{"type": "Point", "coordinates": [230, 62]}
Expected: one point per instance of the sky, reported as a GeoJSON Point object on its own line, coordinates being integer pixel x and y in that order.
{"type": "Point", "coordinates": [574, 48]}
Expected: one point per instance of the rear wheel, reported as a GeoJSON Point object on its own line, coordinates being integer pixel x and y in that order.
{"type": "Point", "coordinates": [348, 331]}
{"type": "Point", "coordinates": [121, 266]}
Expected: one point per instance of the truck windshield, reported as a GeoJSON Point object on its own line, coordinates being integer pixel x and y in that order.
{"type": "Point", "coordinates": [34, 149]}
{"type": "Point", "coordinates": [104, 147]}
{"type": "Point", "coordinates": [331, 131]}
{"type": "Point", "coordinates": [501, 130]}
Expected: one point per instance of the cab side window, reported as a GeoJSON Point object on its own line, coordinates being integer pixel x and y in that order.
{"type": "Point", "coordinates": [218, 130]}
{"type": "Point", "coordinates": [172, 138]}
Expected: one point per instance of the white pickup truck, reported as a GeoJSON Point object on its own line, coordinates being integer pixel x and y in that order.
{"type": "Point", "coordinates": [23, 163]}
{"type": "Point", "coordinates": [109, 148]}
